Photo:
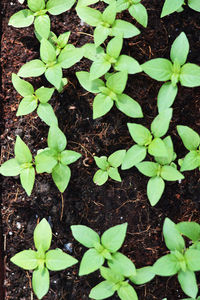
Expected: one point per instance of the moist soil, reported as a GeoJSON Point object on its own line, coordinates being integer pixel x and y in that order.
{"type": "Point", "coordinates": [83, 201]}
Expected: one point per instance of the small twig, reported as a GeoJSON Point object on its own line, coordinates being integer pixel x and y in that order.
{"type": "Point", "coordinates": [62, 208]}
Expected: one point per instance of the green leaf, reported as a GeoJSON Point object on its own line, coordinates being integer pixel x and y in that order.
{"type": "Point", "coordinates": [128, 64]}
{"type": "Point", "coordinates": [92, 260]}
{"type": "Point", "coordinates": [148, 168]}
{"type": "Point", "coordinates": [194, 4]}
{"type": "Point", "coordinates": [54, 75]}
{"type": "Point", "coordinates": [90, 86]}
{"type": "Point", "coordinates": [158, 68]}
{"type": "Point", "coordinates": [42, 235]}
{"type": "Point", "coordinates": [166, 160]}
{"type": "Point", "coordinates": [63, 39]}
{"type": "Point", "coordinates": [157, 148]}
{"type": "Point", "coordinates": [27, 106]}
{"type": "Point", "coordinates": [47, 51]}
{"type": "Point", "coordinates": [100, 34]}
{"type": "Point", "coordinates": [155, 189]}
{"type": "Point", "coordinates": [116, 158]}
{"type": "Point", "coordinates": [170, 174]}
{"type": "Point", "coordinates": [100, 177]}
{"type": "Point", "coordinates": [85, 235]}
{"type": "Point", "coordinates": [190, 230]}
{"type": "Point", "coordinates": [170, 7]}
{"type": "Point", "coordinates": [109, 13]}
{"type": "Point", "coordinates": [61, 175]}
{"type": "Point", "coordinates": [114, 174]}
{"type": "Point", "coordinates": [139, 12]}
{"type": "Point", "coordinates": [10, 168]}
{"type": "Point", "coordinates": [92, 52]}
{"type": "Point", "coordinates": [56, 139]}
{"type": "Point", "coordinates": [27, 178]}
{"type": "Point", "coordinates": [33, 68]}
{"type": "Point", "coordinates": [117, 82]}
{"type": "Point", "coordinates": [190, 138]}
{"type": "Point", "coordinates": [46, 114]}
{"type": "Point", "coordinates": [40, 282]}
{"type": "Point", "coordinates": [140, 134]}
{"type": "Point", "coordinates": [113, 238]}
{"type": "Point", "coordinates": [114, 47]}
{"type": "Point", "coordinates": [36, 5]}
{"type": "Point", "coordinates": [192, 257]}
{"type": "Point", "coordinates": [69, 157]}
{"type": "Point", "coordinates": [26, 259]}
{"type": "Point", "coordinates": [111, 276]}
{"type": "Point", "coordinates": [180, 49]}
{"type": "Point", "coordinates": [143, 275]}
{"type": "Point", "coordinates": [44, 94]}
{"type": "Point", "coordinates": [126, 29]}
{"type": "Point", "coordinates": [188, 283]}
{"type": "Point", "coordinates": [166, 96]}
{"type": "Point", "coordinates": [160, 124]}
{"type": "Point", "coordinates": [190, 75]}
{"type": "Point", "coordinates": [191, 161]}
{"type": "Point", "coordinates": [22, 18]}
{"type": "Point", "coordinates": [129, 106]}
{"type": "Point", "coordinates": [173, 238]}
{"type": "Point", "coordinates": [23, 87]}
{"type": "Point", "coordinates": [22, 152]}
{"type": "Point", "coordinates": [99, 68]}
{"type": "Point", "coordinates": [102, 290]}
{"type": "Point", "coordinates": [89, 15]}
{"type": "Point", "coordinates": [133, 156]}
{"type": "Point", "coordinates": [57, 260]}
{"type": "Point", "coordinates": [127, 292]}
{"type": "Point", "coordinates": [167, 265]}
{"type": "Point", "coordinates": [102, 105]}
{"type": "Point", "coordinates": [45, 161]}
{"type": "Point", "coordinates": [42, 26]}
{"type": "Point", "coordinates": [57, 7]}
{"type": "Point", "coordinates": [101, 162]}
{"type": "Point", "coordinates": [70, 56]}
{"type": "Point", "coordinates": [122, 265]}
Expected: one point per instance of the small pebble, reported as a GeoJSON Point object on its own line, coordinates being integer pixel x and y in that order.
{"type": "Point", "coordinates": [68, 247]}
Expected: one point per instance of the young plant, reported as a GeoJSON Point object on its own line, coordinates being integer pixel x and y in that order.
{"type": "Point", "coordinates": [102, 62]}
{"type": "Point", "coordinates": [147, 141]}
{"type": "Point", "coordinates": [171, 6]}
{"type": "Point", "coordinates": [173, 72]}
{"type": "Point", "coordinates": [32, 98]}
{"type": "Point", "coordinates": [55, 159]}
{"type": "Point", "coordinates": [181, 261]}
{"type": "Point", "coordinates": [105, 23]}
{"type": "Point", "coordinates": [162, 169]}
{"type": "Point", "coordinates": [51, 64]}
{"type": "Point", "coordinates": [108, 167]}
{"type": "Point", "coordinates": [37, 14]}
{"type": "Point", "coordinates": [191, 141]}
{"type": "Point", "coordinates": [21, 165]}
{"type": "Point", "coordinates": [43, 260]}
{"type": "Point", "coordinates": [110, 93]}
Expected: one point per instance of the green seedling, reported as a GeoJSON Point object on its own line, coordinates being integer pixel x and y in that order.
{"type": "Point", "coordinates": [21, 165]}
{"type": "Point", "coordinates": [34, 99]}
{"type": "Point", "coordinates": [55, 159]}
{"type": "Point", "coordinates": [192, 231]}
{"type": "Point", "coordinates": [43, 260]}
{"type": "Point", "coordinates": [105, 23]}
{"type": "Point", "coordinates": [171, 6]}
{"type": "Point", "coordinates": [102, 62]}
{"type": "Point", "coordinates": [181, 260]}
{"type": "Point", "coordinates": [136, 9]}
{"type": "Point", "coordinates": [178, 70]}
{"type": "Point", "coordinates": [162, 169]}
{"type": "Point", "coordinates": [51, 64]}
{"type": "Point", "coordinates": [147, 141]}
{"type": "Point", "coordinates": [37, 14]}
{"type": "Point", "coordinates": [109, 93]}
{"type": "Point", "coordinates": [191, 141]}
{"type": "Point", "coordinates": [108, 167]}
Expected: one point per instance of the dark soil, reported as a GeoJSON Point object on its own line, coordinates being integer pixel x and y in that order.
{"type": "Point", "coordinates": [85, 203]}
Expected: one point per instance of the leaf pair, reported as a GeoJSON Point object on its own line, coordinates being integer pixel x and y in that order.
{"type": "Point", "coordinates": [109, 93]}
{"type": "Point", "coordinates": [55, 159]}
{"type": "Point", "coordinates": [163, 69]}
{"type": "Point", "coordinates": [42, 260]}
{"type": "Point", "coordinates": [171, 6]}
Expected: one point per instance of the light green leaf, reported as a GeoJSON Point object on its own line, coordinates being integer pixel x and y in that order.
{"type": "Point", "coordinates": [129, 106]}
{"type": "Point", "coordinates": [143, 275]}
{"type": "Point", "coordinates": [166, 96]}
{"type": "Point", "coordinates": [61, 175]}
{"type": "Point", "coordinates": [44, 94]}
{"type": "Point", "coordinates": [117, 82]}
{"type": "Point", "coordinates": [148, 168]}
{"type": "Point", "coordinates": [92, 260]}
{"type": "Point", "coordinates": [190, 75]}
{"type": "Point", "coordinates": [114, 174]}
{"type": "Point", "coordinates": [155, 189]}
{"type": "Point", "coordinates": [191, 161]}
{"type": "Point", "coordinates": [102, 105]}
{"type": "Point", "coordinates": [128, 64]}
{"type": "Point", "coordinates": [40, 282]}
{"type": "Point", "coordinates": [26, 259]}
{"type": "Point", "coordinates": [190, 138]}
{"type": "Point", "coordinates": [113, 238]}
{"type": "Point", "coordinates": [57, 7]}
{"type": "Point", "coordinates": [116, 158]}
{"type": "Point", "coordinates": [158, 68]}
{"type": "Point", "coordinates": [173, 238]}
{"type": "Point", "coordinates": [188, 283]}
{"type": "Point", "coordinates": [190, 230]}
{"type": "Point", "coordinates": [27, 106]}
{"type": "Point", "coordinates": [133, 156]}
{"type": "Point", "coordinates": [140, 134]}
{"type": "Point", "coordinates": [46, 114]}
{"type": "Point", "coordinates": [102, 290]}
{"type": "Point", "coordinates": [139, 12]}
{"type": "Point", "coordinates": [126, 29]}
{"type": "Point", "coordinates": [85, 235]}
{"type": "Point", "coordinates": [70, 56]}
{"type": "Point", "coordinates": [33, 68]}
{"type": "Point", "coordinates": [47, 51]}
{"type": "Point", "coordinates": [170, 174]}
{"type": "Point", "coordinates": [36, 5]}
{"type": "Point", "coordinates": [63, 39]}
{"type": "Point", "coordinates": [92, 52]}
{"type": "Point", "coordinates": [170, 7]}
{"type": "Point", "coordinates": [54, 75]}
{"type": "Point", "coordinates": [10, 168]}
{"type": "Point", "coordinates": [166, 160]}
{"type": "Point", "coordinates": [157, 148]}
{"type": "Point", "coordinates": [56, 139]}
{"type": "Point", "coordinates": [46, 161]}
{"type": "Point", "coordinates": [100, 34]}
{"type": "Point", "coordinates": [192, 257]}
{"type": "Point", "coordinates": [114, 47]}
{"type": "Point", "coordinates": [111, 276]}
{"type": "Point", "coordinates": [194, 4]}
{"type": "Point", "coordinates": [99, 68]}
{"type": "Point", "coordinates": [127, 292]}
{"type": "Point", "coordinates": [109, 13]}
{"type": "Point", "coordinates": [69, 157]}
{"type": "Point", "coordinates": [22, 152]}
{"type": "Point", "coordinates": [22, 18]}
{"type": "Point", "coordinates": [122, 265]}
{"type": "Point", "coordinates": [167, 265]}
{"type": "Point", "coordinates": [160, 124]}
{"type": "Point", "coordinates": [57, 260]}
{"type": "Point", "coordinates": [42, 26]}
{"type": "Point", "coordinates": [89, 15]}
{"type": "Point", "coordinates": [23, 87]}
{"type": "Point", "coordinates": [101, 162]}
{"type": "Point", "coordinates": [90, 86]}
{"type": "Point", "coordinates": [100, 177]}
{"type": "Point", "coordinates": [180, 49]}
{"type": "Point", "coordinates": [42, 235]}
{"type": "Point", "coordinates": [27, 178]}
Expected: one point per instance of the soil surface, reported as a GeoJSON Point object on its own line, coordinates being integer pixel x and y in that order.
{"type": "Point", "coordinates": [84, 202]}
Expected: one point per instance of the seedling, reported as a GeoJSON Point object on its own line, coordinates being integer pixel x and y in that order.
{"type": "Point", "coordinates": [108, 167]}
{"type": "Point", "coordinates": [55, 159]}
{"type": "Point", "coordinates": [191, 141]}
{"type": "Point", "coordinates": [51, 63]}
{"type": "Point", "coordinates": [162, 169]}
{"type": "Point", "coordinates": [181, 261]}
{"type": "Point", "coordinates": [136, 9]}
{"type": "Point", "coordinates": [21, 165]}
{"type": "Point", "coordinates": [147, 141]}
{"type": "Point", "coordinates": [32, 98]}
{"type": "Point", "coordinates": [37, 14]}
{"type": "Point", "coordinates": [105, 23]}
{"type": "Point", "coordinates": [171, 6]}
{"type": "Point", "coordinates": [109, 93]}
{"type": "Point", "coordinates": [102, 62]}
{"type": "Point", "coordinates": [43, 260]}
{"type": "Point", "coordinates": [173, 72]}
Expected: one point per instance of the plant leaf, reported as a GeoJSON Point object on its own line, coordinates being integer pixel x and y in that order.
{"type": "Point", "coordinates": [69, 157]}
{"type": "Point", "coordinates": [100, 177]}
{"type": "Point", "coordinates": [61, 175]}
{"type": "Point", "coordinates": [36, 5]}
{"type": "Point", "coordinates": [33, 68]}
{"type": "Point", "coordinates": [40, 282]}
{"type": "Point", "coordinates": [70, 56]}
{"type": "Point", "coordinates": [44, 94]}
{"type": "Point", "coordinates": [127, 292]}
{"type": "Point", "coordinates": [158, 68]}
{"type": "Point", "coordinates": [167, 265]}
{"type": "Point", "coordinates": [133, 156]}
{"type": "Point", "coordinates": [117, 82]}
{"type": "Point", "coordinates": [180, 49]}
{"type": "Point", "coordinates": [190, 138]}
{"type": "Point", "coordinates": [155, 189]}
{"type": "Point", "coordinates": [194, 4]}
{"type": "Point", "coordinates": [54, 75]}
{"type": "Point", "coordinates": [22, 152]}
{"type": "Point", "coordinates": [100, 35]}
{"type": "Point", "coordinates": [140, 134]}
{"type": "Point", "coordinates": [190, 75]}
{"type": "Point", "coordinates": [10, 168]}
{"type": "Point", "coordinates": [47, 51]}
{"type": "Point", "coordinates": [56, 139]}
{"type": "Point", "coordinates": [129, 106]}
{"type": "Point", "coordinates": [57, 7]}
{"type": "Point", "coordinates": [192, 257]}
{"type": "Point", "coordinates": [42, 235]}
{"type": "Point", "coordinates": [173, 238]}
{"type": "Point", "coordinates": [57, 260]}
{"type": "Point", "coordinates": [46, 114]}
{"type": "Point", "coordinates": [166, 96]}
{"type": "Point", "coordinates": [27, 178]}
{"type": "Point", "coordinates": [114, 47]}
{"type": "Point", "coordinates": [116, 158]}
{"type": "Point", "coordinates": [45, 161]}
{"type": "Point", "coordinates": [139, 12]}
{"type": "Point", "coordinates": [102, 290]}
{"type": "Point", "coordinates": [128, 64]}
{"type": "Point", "coordinates": [42, 26]}
{"type": "Point", "coordinates": [99, 68]}
{"type": "Point", "coordinates": [111, 276]}
{"type": "Point", "coordinates": [170, 174]}
{"type": "Point", "coordinates": [22, 18]}
{"type": "Point", "coordinates": [114, 174]}
{"type": "Point", "coordinates": [122, 265]}
{"type": "Point", "coordinates": [143, 275]}
{"type": "Point", "coordinates": [113, 238]}
{"type": "Point", "coordinates": [170, 7]}
{"type": "Point", "coordinates": [27, 106]}
{"type": "Point", "coordinates": [26, 259]}
{"type": "Point", "coordinates": [191, 161]}
{"type": "Point", "coordinates": [92, 260]}
{"type": "Point", "coordinates": [148, 168]}
{"type": "Point", "coordinates": [190, 229]}
{"type": "Point", "coordinates": [124, 28]}
{"type": "Point", "coordinates": [90, 86]}
{"type": "Point", "coordinates": [188, 283]}
{"type": "Point", "coordinates": [102, 105]}
{"type": "Point", "coordinates": [23, 87]}
{"type": "Point", "coordinates": [85, 235]}
{"type": "Point", "coordinates": [89, 15]}
{"type": "Point", "coordinates": [109, 13]}
{"type": "Point", "coordinates": [160, 124]}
